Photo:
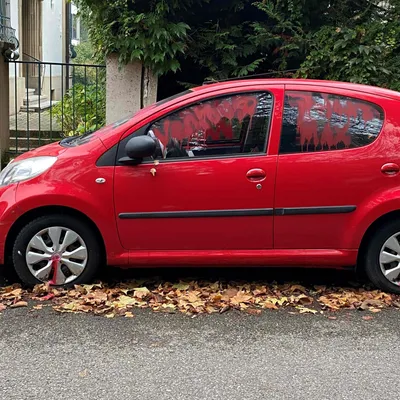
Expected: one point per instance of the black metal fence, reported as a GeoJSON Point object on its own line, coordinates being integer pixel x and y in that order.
{"type": "Point", "coordinates": [51, 100]}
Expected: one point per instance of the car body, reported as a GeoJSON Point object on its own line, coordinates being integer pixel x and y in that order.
{"type": "Point", "coordinates": [255, 172]}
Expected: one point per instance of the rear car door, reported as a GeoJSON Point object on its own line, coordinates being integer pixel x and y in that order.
{"type": "Point", "coordinates": [330, 159]}
{"type": "Point", "coordinates": [213, 188]}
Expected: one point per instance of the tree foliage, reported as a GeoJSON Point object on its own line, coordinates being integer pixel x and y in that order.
{"type": "Point", "coordinates": [349, 40]}
{"type": "Point", "coordinates": [152, 31]}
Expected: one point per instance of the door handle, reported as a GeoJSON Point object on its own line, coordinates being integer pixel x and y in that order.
{"type": "Point", "coordinates": [390, 169]}
{"type": "Point", "coordinates": [256, 175]}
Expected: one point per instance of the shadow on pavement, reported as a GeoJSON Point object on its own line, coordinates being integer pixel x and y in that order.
{"type": "Point", "coordinates": [305, 276]}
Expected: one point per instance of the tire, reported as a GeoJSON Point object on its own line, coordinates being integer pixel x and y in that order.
{"type": "Point", "coordinates": [87, 243]}
{"type": "Point", "coordinates": [372, 263]}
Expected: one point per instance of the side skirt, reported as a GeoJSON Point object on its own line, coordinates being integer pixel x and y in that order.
{"type": "Point", "coordinates": [229, 258]}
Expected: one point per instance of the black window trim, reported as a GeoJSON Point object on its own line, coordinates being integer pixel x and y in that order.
{"type": "Point", "coordinates": [324, 90]}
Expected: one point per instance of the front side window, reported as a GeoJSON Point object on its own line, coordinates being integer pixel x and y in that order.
{"type": "Point", "coordinates": [320, 122]}
{"type": "Point", "coordinates": [222, 126]}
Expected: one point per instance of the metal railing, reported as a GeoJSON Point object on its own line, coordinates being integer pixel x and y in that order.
{"type": "Point", "coordinates": [53, 100]}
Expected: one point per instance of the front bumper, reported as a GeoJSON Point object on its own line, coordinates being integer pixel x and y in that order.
{"type": "Point", "coordinates": [9, 213]}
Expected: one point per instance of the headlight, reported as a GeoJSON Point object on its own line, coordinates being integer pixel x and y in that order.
{"type": "Point", "coordinates": [17, 171]}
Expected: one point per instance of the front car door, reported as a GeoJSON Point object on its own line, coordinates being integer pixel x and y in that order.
{"type": "Point", "coordinates": [330, 158]}
{"type": "Point", "coordinates": [211, 185]}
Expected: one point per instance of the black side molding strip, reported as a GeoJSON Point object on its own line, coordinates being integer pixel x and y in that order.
{"type": "Point", "coordinates": [199, 214]}
{"type": "Point", "coordinates": [315, 210]}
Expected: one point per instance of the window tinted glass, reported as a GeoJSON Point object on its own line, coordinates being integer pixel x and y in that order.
{"type": "Point", "coordinates": [222, 126]}
{"type": "Point", "coordinates": [321, 122]}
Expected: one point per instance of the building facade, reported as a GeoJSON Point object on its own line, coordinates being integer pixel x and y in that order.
{"type": "Point", "coordinates": [42, 28]}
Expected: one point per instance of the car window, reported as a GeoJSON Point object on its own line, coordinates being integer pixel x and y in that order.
{"type": "Point", "coordinates": [320, 122]}
{"type": "Point", "coordinates": [229, 125]}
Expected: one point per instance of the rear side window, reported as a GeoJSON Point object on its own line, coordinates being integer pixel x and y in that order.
{"type": "Point", "coordinates": [315, 121]}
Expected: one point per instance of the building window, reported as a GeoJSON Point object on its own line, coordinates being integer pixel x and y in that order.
{"type": "Point", "coordinates": [321, 122]}
{"type": "Point", "coordinates": [237, 124]}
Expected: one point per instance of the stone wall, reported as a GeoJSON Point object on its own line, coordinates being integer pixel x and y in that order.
{"type": "Point", "coordinates": [128, 89]}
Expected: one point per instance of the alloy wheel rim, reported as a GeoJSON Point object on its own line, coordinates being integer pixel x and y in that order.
{"type": "Point", "coordinates": [389, 259]}
{"type": "Point", "coordinates": [56, 255]}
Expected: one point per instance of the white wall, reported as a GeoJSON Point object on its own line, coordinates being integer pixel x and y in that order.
{"type": "Point", "coordinates": [14, 16]}
{"type": "Point", "coordinates": [52, 49]}
{"type": "Point", "coordinates": [52, 33]}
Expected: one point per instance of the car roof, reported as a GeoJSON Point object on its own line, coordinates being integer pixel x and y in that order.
{"type": "Point", "coordinates": [301, 82]}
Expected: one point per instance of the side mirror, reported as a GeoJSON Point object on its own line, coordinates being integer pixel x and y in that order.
{"type": "Point", "coordinates": [137, 148]}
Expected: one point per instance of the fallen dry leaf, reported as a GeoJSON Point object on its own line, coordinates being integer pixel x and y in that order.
{"type": "Point", "coordinates": [84, 373]}
{"type": "Point", "coordinates": [366, 304]}
{"type": "Point", "coordinates": [19, 304]}
{"type": "Point", "coordinates": [141, 293]}
{"type": "Point", "coordinates": [198, 297]}
{"type": "Point", "coordinates": [240, 297]}
{"type": "Point", "coordinates": [224, 309]}
{"type": "Point", "coordinates": [268, 305]}
{"type": "Point", "coordinates": [229, 293]}
{"type": "Point", "coordinates": [396, 304]}
{"type": "Point", "coordinates": [367, 318]}
{"type": "Point", "coordinates": [253, 311]}
{"type": "Point", "coordinates": [304, 310]}
{"type": "Point", "coordinates": [181, 286]}
{"type": "Point", "coordinates": [297, 288]}
{"type": "Point", "coordinates": [125, 301]}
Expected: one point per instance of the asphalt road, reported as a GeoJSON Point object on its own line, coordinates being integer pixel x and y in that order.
{"type": "Point", "coordinates": [230, 356]}
{"type": "Point", "coordinates": [275, 355]}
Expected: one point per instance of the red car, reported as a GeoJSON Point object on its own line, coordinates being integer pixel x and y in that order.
{"type": "Point", "coordinates": [254, 172]}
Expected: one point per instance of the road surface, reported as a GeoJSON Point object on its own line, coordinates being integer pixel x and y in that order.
{"type": "Point", "coordinates": [234, 355]}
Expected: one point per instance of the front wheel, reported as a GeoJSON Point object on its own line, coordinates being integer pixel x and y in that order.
{"type": "Point", "coordinates": [382, 258]}
{"type": "Point", "coordinates": [56, 249]}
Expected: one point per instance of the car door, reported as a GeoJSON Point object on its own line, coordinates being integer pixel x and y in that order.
{"type": "Point", "coordinates": [212, 186]}
{"type": "Point", "coordinates": [330, 158]}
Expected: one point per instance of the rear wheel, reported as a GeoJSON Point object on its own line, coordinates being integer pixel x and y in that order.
{"type": "Point", "coordinates": [382, 259]}
{"type": "Point", "coordinates": [56, 249]}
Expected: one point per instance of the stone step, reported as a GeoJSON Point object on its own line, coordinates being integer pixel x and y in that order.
{"type": "Point", "coordinates": [34, 133]}
{"type": "Point", "coordinates": [20, 150]}
{"type": "Point", "coordinates": [31, 142]}
{"type": "Point", "coordinates": [30, 91]}
{"type": "Point", "coordinates": [34, 107]}
{"type": "Point", "coordinates": [34, 99]}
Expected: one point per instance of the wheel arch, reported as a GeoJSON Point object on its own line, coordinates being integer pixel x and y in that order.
{"type": "Point", "coordinates": [379, 222]}
{"type": "Point", "coordinates": [30, 215]}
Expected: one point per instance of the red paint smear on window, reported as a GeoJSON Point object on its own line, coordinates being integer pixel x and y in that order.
{"type": "Point", "coordinates": [213, 118]}
{"type": "Point", "coordinates": [326, 106]}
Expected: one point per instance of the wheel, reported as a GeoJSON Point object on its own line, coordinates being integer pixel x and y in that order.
{"type": "Point", "coordinates": [56, 249]}
{"type": "Point", "coordinates": [382, 259]}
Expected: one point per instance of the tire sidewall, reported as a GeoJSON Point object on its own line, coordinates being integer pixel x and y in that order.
{"type": "Point", "coordinates": [372, 264]}
{"type": "Point", "coordinates": [30, 230]}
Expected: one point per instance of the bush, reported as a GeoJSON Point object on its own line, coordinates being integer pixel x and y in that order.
{"type": "Point", "coordinates": [82, 109]}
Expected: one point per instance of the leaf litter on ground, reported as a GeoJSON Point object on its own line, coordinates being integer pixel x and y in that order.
{"type": "Point", "coordinates": [197, 297]}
